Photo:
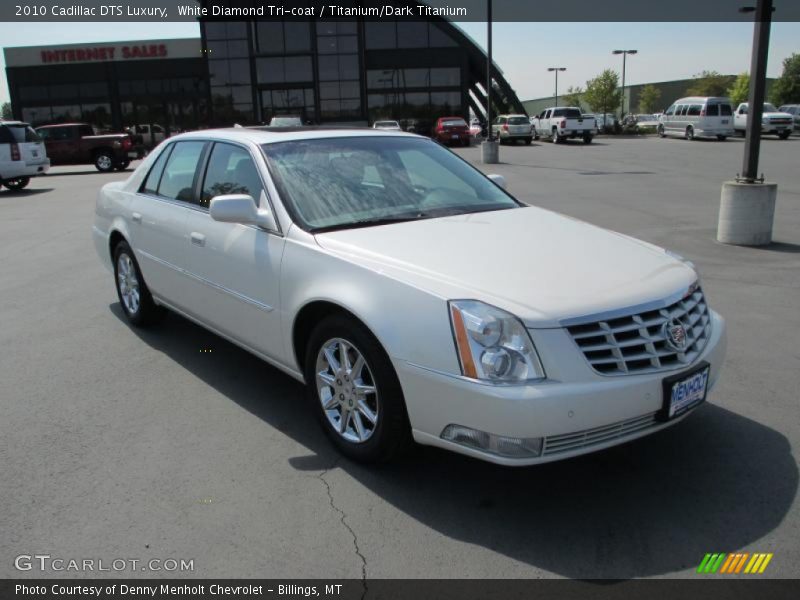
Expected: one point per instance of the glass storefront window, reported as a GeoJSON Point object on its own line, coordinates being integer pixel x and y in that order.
{"type": "Point", "coordinates": [37, 115]}
{"type": "Point", "coordinates": [412, 34]}
{"type": "Point", "coordinates": [446, 77]}
{"type": "Point", "coordinates": [438, 38]}
{"type": "Point", "coordinates": [380, 35]}
{"type": "Point", "coordinates": [95, 89]}
{"type": "Point", "coordinates": [281, 70]}
{"type": "Point", "coordinates": [98, 115]}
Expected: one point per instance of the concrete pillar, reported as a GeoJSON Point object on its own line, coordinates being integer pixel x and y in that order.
{"type": "Point", "coordinates": [746, 213]}
{"type": "Point", "coordinates": [490, 152]}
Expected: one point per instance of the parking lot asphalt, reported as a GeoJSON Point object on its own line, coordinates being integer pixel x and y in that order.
{"type": "Point", "coordinates": [172, 443]}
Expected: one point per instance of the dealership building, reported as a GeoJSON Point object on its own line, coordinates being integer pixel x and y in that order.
{"type": "Point", "coordinates": [246, 72]}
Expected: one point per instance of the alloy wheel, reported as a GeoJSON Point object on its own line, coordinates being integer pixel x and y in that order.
{"type": "Point", "coordinates": [128, 283]}
{"type": "Point", "coordinates": [347, 391]}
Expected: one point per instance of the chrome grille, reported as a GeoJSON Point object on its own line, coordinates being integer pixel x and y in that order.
{"type": "Point", "coordinates": [557, 444]}
{"type": "Point", "coordinates": [638, 343]}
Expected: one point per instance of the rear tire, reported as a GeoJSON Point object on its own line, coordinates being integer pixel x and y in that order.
{"type": "Point", "coordinates": [134, 296]}
{"type": "Point", "coordinates": [784, 135]}
{"type": "Point", "coordinates": [722, 138]}
{"type": "Point", "coordinates": [555, 137]}
{"type": "Point", "coordinates": [104, 161]}
{"type": "Point", "coordinates": [17, 183]}
{"type": "Point", "coordinates": [122, 165]}
{"type": "Point", "coordinates": [587, 139]}
{"type": "Point", "coordinates": [358, 399]}
{"type": "Point", "coordinates": [528, 141]}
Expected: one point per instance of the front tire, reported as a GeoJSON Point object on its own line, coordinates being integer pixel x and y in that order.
{"type": "Point", "coordinates": [17, 183]}
{"type": "Point", "coordinates": [132, 291]}
{"type": "Point", "coordinates": [690, 133]}
{"type": "Point", "coordinates": [784, 135]}
{"type": "Point", "coordinates": [355, 391]}
{"type": "Point", "coordinates": [104, 162]}
{"type": "Point", "coordinates": [661, 132]}
{"type": "Point", "coordinates": [722, 138]}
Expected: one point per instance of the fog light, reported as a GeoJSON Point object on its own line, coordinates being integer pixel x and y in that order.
{"type": "Point", "coordinates": [509, 447]}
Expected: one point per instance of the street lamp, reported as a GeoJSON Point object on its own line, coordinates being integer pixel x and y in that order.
{"type": "Point", "coordinates": [556, 70]}
{"type": "Point", "coordinates": [624, 56]}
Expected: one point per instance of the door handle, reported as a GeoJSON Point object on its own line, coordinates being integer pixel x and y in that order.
{"type": "Point", "coordinates": [198, 239]}
{"type": "Point", "coordinates": [136, 217]}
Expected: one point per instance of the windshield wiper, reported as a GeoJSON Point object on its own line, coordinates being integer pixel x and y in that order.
{"type": "Point", "coordinates": [374, 222]}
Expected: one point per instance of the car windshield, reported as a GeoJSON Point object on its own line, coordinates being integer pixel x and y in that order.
{"type": "Point", "coordinates": [285, 122]}
{"type": "Point", "coordinates": [518, 121]}
{"type": "Point", "coordinates": [339, 183]}
{"type": "Point", "coordinates": [769, 107]}
{"type": "Point", "coordinates": [387, 124]}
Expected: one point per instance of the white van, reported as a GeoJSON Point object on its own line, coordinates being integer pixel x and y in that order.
{"type": "Point", "coordinates": [698, 116]}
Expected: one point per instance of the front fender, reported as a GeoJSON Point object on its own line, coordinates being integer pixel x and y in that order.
{"type": "Point", "coordinates": [411, 324]}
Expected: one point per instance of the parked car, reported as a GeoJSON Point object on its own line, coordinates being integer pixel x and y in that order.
{"type": "Point", "coordinates": [561, 123]}
{"type": "Point", "coordinates": [511, 128]}
{"type": "Point", "coordinates": [451, 130]}
{"type": "Point", "coordinates": [794, 110]}
{"type": "Point", "coordinates": [773, 122]}
{"type": "Point", "coordinates": [476, 129]}
{"type": "Point", "coordinates": [22, 155]}
{"type": "Point", "coordinates": [586, 117]}
{"type": "Point", "coordinates": [352, 260]}
{"type": "Point", "coordinates": [76, 143]}
{"type": "Point", "coordinates": [151, 135]}
{"type": "Point", "coordinates": [286, 121]}
{"type": "Point", "coordinates": [698, 116]}
{"type": "Point", "coordinates": [606, 121]}
{"type": "Point", "coordinates": [387, 125]}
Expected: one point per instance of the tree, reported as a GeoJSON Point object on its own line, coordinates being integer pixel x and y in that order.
{"type": "Point", "coordinates": [648, 99]}
{"type": "Point", "coordinates": [602, 93]}
{"type": "Point", "coordinates": [573, 96]}
{"type": "Point", "coordinates": [5, 111]}
{"type": "Point", "coordinates": [740, 89]}
{"type": "Point", "coordinates": [710, 83]}
{"type": "Point", "coordinates": [786, 90]}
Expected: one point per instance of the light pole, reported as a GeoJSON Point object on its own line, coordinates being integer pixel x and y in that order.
{"type": "Point", "coordinates": [556, 70]}
{"type": "Point", "coordinates": [490, 149]}
{"type": "Point", "coordinates": [624, 56]}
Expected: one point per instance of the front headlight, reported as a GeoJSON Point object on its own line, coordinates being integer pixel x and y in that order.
{"type": "Point", "coordinates": [493, 345]}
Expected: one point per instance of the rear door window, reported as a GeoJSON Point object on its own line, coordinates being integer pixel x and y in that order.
{"type": "Point", "coordinates": [19, 134]}
{"type": "Point", "coordinates": [231, 170]}
{"type": "Point", "coordinates": [177, 181]}
{"type": "Point", "coordinates": [518, 121]}
{"type": "Point", "coordinates": [725, 110]}
{"type": "Point", "coordinates": [712, 110]}
{"type": "Point", "coordinates": [150, 185]}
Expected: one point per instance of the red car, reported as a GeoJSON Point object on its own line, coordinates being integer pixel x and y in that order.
{"type": "Point", "coordinates": [451, 130]}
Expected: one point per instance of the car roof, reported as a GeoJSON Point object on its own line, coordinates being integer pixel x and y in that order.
{"type": "Point", "coordinates": [23, 123]}
{"type": "Point", "coordinates": [61, 125]}
{"type": "Point", "coordinates": [268, 135]}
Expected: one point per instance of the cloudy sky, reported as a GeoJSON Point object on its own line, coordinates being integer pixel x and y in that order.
{"type": "Point", "coordinates": [523, 50]}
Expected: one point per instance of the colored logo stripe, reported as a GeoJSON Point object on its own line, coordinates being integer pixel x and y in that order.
{"type": "Point", "coordinates": [734, 563]}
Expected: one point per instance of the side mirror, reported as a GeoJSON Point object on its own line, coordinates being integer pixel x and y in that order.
{"type": "Point", "coordinates": [499, 180]}
{"type": "Point", "coordinates": [240, 208]}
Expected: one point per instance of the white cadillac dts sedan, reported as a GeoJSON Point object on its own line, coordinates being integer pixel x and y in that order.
{"type": "Point", "coordinates": [415, 297]}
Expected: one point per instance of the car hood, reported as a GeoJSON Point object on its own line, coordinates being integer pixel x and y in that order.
{"type": "Point", "coordinates": [775, 115]}
{"type": "Point", "coordinates": [537, 264]}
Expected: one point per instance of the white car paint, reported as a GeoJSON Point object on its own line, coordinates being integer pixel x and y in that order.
{"type": "Point", "coordinates": [22, 152]}
{"type": "Point", "coordinates": [773, 121]}
{"type": "Point", "coordinates": [249, 285]}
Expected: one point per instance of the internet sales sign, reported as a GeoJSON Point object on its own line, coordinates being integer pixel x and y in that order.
{"type": "Point", "coordinates": [101, 53]}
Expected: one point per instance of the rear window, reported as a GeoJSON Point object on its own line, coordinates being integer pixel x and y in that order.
{"type": "Point", "coordinates": [570, 113]}
{"type": "Point", "coordinates": [712, 110]}
{"type": "Point", "coordinates": [725, 110]}
{"type": "Point", "coordinates": [455, 123]}
{"type": "Point", "coordinates": [18, 134]}
{"type": "Point", "coordinates": [519, 121]}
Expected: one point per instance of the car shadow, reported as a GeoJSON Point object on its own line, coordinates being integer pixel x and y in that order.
{"type": "Point", "coordinates": [717, 482]}
{"type": "Point", "coordinates": [6, 193]}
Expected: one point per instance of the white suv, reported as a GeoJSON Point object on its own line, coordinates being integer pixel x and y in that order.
{"type": "Point", "coordinates": [22, 155]}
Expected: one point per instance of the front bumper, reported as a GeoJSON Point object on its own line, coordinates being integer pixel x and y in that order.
{"type": "Point", "coordinates": [574, 403]}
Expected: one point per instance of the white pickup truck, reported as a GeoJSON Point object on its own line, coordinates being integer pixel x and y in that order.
{"type": "Point", "coordinates": [564, 122]}
{"type": "Point", "coordinates": [772, 121]}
